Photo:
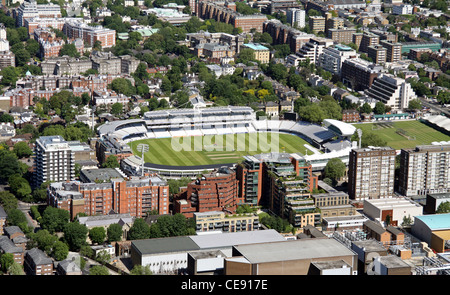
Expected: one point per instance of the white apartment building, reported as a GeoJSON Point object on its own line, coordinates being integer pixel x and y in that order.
{"type": "Point", "coordinates": [54, 160]}
{"type": "Point", "coordinates": [402, 9]}
{"type": "Point", "coordinates": [4, 45]}
{"type": "Point", "coordinates": [293, 60]}
{"type": "Point", "coordinates": [108, 99]}
{"type": "Point", "coordinates": [371, 173]}
{"type": "Point", "coordinates": [2, 31]}
{"type": "Point", "coordinates": [103, 12]}
{"type": "Point", "coordinates": [30, 9]}
{"type": "Point", "coordinates": [396, 208]}
{"type": "Point", "coordinates": [90, 34]}
{"type": "Point", "coordinates": [332, 58]}
{"type": "Point", "coordinates": [313, 49]}
{"type": "Point", "coordinates": [424, 170]}
{"type": "Point", "coordinates": [392, 91]}
{"type": "Point", "coordinates": [296, 17]}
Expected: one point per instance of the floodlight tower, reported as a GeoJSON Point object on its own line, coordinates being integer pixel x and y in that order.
{"type": "Point", "coordinates": [359, 131]}
{"type": "Point", "coordinates": [143, 148]}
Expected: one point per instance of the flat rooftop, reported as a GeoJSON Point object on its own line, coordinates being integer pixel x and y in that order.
{"type": "Point", "coordinates": [221, 240]}
{"type": "Point", "coordinates": [392, 261]}
{"type": "Point", "coordinates": [440, 195]}
{"type": "Point", "coordinates": [293, 250]}
{"type": "Point", "coordinates": [392, 203]}
{"type": "Point", "coordinates": [165, 245]}
{"type": "Point", "coordinates": [370, 245]}
{"type": "Point", "coordinates": [52, 140]}
{"type": "Point", "coordinates": [358, 217]}
{"type": "Point", "coordinates": [205, 242]}
{"type": "Point", "coordinates": [102, 174]}
{"type": "Point", "coordinates": [330, 264]}
{"type": "Point", "coordinates": [207, 254]}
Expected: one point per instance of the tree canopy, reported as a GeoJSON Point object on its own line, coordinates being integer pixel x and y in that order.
{"type": "Point", "coordinates": [139, 230]}
{"type": "Point", "coordinates": [70, 50]}
{"type": "Point", "coordinates": [369, 139]}
{"type": "Point", "coordinates": [75, 235]}
{"type": "Point", "coordinates": [54, 219]}
{"type": "Point", "coordinates": [22, 150]}
{"type": "Point", "coordinates": [114, 232]}
{"type": "Point", "coordinates": [335, 169]}
{"type": "Point", "coordinates": [443, 207]}
{"type": "Point", "coordinates": [9, 164]}
{"type": "Point", "coordinates": [97, 234]}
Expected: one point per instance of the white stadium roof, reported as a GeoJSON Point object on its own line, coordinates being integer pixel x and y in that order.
{"type": "Point", "coordinates": [340, 127]}
{"type": "Point", "coordinates": [440, 121]}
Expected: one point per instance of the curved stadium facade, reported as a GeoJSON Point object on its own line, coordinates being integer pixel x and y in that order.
{"type": "Point", "coordinates": [332, 140]}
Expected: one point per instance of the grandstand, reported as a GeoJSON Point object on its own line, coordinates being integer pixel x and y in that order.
{"type": "Point", "coordinates": [333, 138]}
{"type": "Point", "coordinates": [439, 122]}
{"type": "Point", "coordinates": [340, 128]}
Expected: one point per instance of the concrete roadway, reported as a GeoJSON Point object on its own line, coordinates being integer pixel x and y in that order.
{"type": "Point", "coordinates": [25, 208]}
{"type": "Point", "coordinates": [435, 106]}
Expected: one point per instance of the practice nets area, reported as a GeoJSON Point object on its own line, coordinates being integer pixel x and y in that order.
{"type": "Point", "coordinates": [404, 134]}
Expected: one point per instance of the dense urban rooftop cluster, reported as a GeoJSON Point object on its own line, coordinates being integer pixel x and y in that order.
{"type": "Point", "coordinates": [204, 137]}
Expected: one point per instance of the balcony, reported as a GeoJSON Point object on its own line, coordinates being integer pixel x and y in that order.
{"type": "Point", "coordinates": [298, 195]}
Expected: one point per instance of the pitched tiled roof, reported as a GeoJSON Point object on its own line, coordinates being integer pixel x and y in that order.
{"type": "Point", "coordinates": [3, 213]}
{"type": "Point", "coordinates": [39, 257]}
{"type": "Point", "coordinates": [7, 246]}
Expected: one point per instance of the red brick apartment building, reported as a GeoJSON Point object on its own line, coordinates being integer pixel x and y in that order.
{"type": "Point", "coordinates": [227, 13]}
{"type": "Point", "coordinates": [284, 34]}
{"type": "Point", "coordinates": [34, 23]}
{"type": "Point", "coordinates": [350, 116]}
{"type": "Point", "coordinates": [133, 196]}
{"type": "Point", "coordinates": [89, 34]}
{"type": "Point", "coordinates": [14, 242]}
{"type": "Point", "coordinates": [8, 246]}
{"type": "Point", "coordinates": [217, 191]}
{"type": "Point", "coordinates": [38, 263]}
{"type": "Point", "coordinates": [25, 97]}
{"type": "Point", "coordinates": [50, 47]}
{"type": "Point", "coordinates": [77, 84]}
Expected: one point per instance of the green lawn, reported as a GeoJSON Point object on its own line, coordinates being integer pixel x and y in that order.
{"type": "Point", "coordinates": [215, 149]}
{"type": "Point", "coordinates": [415, 133]}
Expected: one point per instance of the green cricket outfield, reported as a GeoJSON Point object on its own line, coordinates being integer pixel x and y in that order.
{"type": "Point", "coordinates": [216, 149]}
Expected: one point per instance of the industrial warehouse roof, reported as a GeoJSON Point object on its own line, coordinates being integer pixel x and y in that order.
{"type": "Point", "coordinates": [293, 250]}
{"type": "Point", "coordinates": [436, 221]}
{"type": "Point", "coordinates": [207, 241]}
{"type": "Point", "coordinates": [238, 238]}
{"type": "Point", "coordinates": [165, 245]}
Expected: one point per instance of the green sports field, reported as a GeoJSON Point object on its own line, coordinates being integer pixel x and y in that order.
{"type": "Point", "coordinates": [214, 149]}
{"type": "Point", "coordinates": [404, 134]}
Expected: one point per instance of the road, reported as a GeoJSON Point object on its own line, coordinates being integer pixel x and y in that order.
{"type": "Point", "coordinates": [435, 106]}
{"type": "Point", "coordinates": [25, 208]}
